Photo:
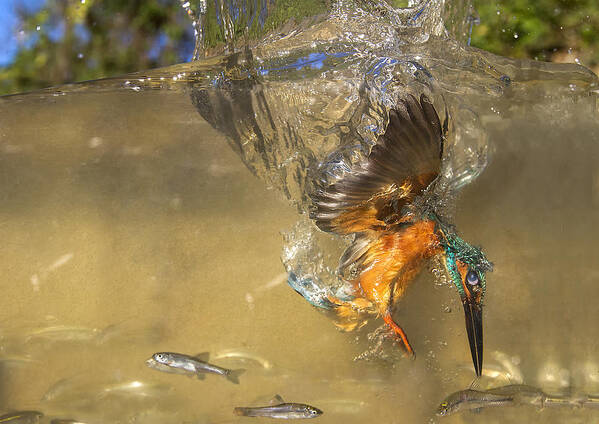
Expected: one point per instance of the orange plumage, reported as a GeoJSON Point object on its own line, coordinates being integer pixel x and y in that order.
{"type": "Point", "coordinates": [373, 202]}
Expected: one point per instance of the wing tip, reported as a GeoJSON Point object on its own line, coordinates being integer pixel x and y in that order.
{"type": "Point", "coordinates": [411, 146]}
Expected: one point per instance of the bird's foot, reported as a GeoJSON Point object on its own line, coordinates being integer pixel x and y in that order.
{"type": "Point", "coordinates": [398, 333]}
{"type": "Point", "coordinates": [382, 346]}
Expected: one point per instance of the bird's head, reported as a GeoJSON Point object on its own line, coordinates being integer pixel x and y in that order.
{"type": "Point", "coordinates": [466, 266]}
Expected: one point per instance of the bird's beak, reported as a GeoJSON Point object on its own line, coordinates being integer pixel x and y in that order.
{"type": "Point", "coordinates": [474, 326]}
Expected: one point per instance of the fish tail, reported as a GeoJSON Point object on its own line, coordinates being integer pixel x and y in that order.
{"type": "Point", "coordinates": [233, 375]}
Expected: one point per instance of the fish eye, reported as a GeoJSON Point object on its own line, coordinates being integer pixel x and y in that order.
{"type": "Point", "coordinates": [472, 278]}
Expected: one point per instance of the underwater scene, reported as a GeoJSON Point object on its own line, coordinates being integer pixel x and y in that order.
{"type": "Point", "coordinates": [339, 211]}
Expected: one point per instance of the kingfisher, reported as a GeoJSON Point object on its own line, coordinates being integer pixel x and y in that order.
{"type": "Point", "coordinates": [386, 203]}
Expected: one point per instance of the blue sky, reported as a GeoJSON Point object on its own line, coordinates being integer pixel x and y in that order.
{"type": "Point", "coordinates": [12, 39]}
{"type": "Point", "coordinates": [10, 27]}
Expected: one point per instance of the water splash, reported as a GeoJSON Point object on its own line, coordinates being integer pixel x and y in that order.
{"type": "Point", "coordinates": [319, 91]}
{"type": "Point", "coordinates": [309, 95]}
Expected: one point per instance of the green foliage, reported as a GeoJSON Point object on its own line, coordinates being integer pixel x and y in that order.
{"type": "Point", "coordinates": [286, 9]}
{"type": "Point", "coordinates": [101, 38]}
{"type": "Point", "coordinates": [538, 29]}
{"type": "Point", "coordinates": [261, 17]}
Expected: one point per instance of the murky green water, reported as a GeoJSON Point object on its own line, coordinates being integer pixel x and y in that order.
{"type": "Point", "coordinates": [130, 225]}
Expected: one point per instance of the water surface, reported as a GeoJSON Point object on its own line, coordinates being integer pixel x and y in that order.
{"type": "Point", "coordinates": [144, 214]}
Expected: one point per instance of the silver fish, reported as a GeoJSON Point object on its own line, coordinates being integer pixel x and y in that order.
{"type": "Point", "coordinates": [584, 402]}
{"type": "Point", "coordinates": [21, 417]}
{"type": "Point", "coordinates": [190, 365]}
{"type": "Point", "coordinates": [515, 394]}
{"type": "Point", "coordinates": [283, 410]}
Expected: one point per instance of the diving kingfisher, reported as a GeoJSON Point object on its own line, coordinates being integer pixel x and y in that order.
{"type": "Point", "coordinates": [382, 202]}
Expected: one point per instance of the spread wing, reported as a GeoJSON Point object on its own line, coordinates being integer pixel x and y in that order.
{"type": "Point", "coordinates": [401, 165]}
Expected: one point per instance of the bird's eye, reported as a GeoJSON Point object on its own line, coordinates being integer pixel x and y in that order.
{"type": "Point", "coordinates": [472, 278]}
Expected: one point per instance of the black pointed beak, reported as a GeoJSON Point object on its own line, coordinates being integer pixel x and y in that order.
{"type": "Point", "coordinates": [474, 327]}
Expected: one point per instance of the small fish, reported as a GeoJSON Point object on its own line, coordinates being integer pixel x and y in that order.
{"type": "Point", "coordinates": [591, 402]}
{"type": "Point", "coordinates": [282, 410]}
{"type": "Point", "coordinates": [515, 394]}
{"type": "Point", "coordinates": [21, 417]}
{"type": "Point", "coordinates": [469, 400]}
{"type": "Point", "coordinates": [190, 365]}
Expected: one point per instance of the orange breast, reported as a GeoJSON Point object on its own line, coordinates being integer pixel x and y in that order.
{"type": "Point", "coordinates": [393, 260]}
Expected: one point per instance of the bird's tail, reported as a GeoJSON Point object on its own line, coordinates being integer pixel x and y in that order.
{"type": "Point", "coordinates": [349, 309]}
{"type": "Point", "coordinates": [314, 291]}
